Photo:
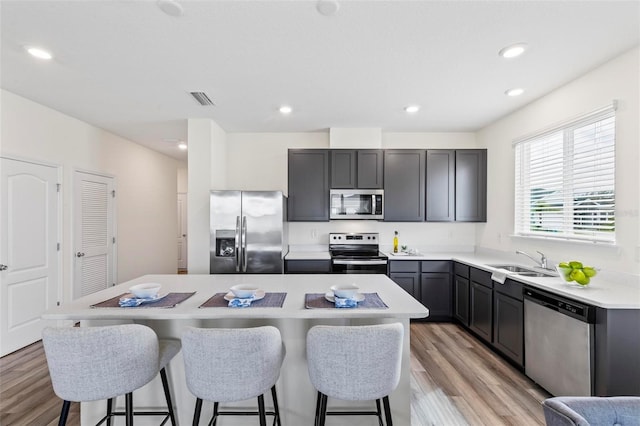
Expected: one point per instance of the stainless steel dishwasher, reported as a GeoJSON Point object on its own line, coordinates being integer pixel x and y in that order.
{"type": "Point", "coordinates": [558, 342]}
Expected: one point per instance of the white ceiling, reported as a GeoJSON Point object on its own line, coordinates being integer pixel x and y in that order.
{"type": "Point", "coordinates": [127, 67]}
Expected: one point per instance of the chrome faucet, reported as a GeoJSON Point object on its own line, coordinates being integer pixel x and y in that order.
{"type": "Point", "coordinates": [543, 259]}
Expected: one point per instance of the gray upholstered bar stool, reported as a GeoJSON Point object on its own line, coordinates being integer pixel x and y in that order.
{"type": "Point", "coordinates": [94, 363]}
{"type": "Point", "coordinates": [354, 363]}
{"type": "Point", "coordinates": [229, 365]}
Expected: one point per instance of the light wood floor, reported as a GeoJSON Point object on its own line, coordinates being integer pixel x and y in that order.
{"type": "Point", "coordinates": [455, 380]}
{"type": "Point", "coordinates": [26, 395]}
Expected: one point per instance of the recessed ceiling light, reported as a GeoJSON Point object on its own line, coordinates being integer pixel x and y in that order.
{"type": "Point", "coordinates": [327, 7]}
{"type": "Point", "coordinates": [514, 92]}
{"type": "Point", "coordinates": [182, 146]}
{"type": "Point", "coordinates": [38, 52]}
{"type": "Point", "coordinates": [513, 51]}
{"type": "Point", "coordinates": [170, 7]}
{"type": "Point", "coordinates": [412, 109]}
{"type": "Point", "coordinates": [285, 109]}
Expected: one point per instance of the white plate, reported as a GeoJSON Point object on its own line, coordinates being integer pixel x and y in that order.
{"type": "Point", "coordinates": [147, 299]}
{"type": "Point", "coordinates": [331, 298]}
{"type": "Point", "coordinates": [259, 295]}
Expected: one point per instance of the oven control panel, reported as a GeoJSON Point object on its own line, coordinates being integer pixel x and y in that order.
{"type": "Point", "coordinates": [351, 238]}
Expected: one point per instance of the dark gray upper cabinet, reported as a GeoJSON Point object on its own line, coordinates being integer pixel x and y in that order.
{"type": "Point", "coordinates": [404, 185]}
{"type": "Point", "coordinates": [360, 169]}
{"type": "Point", "coordinates": [343, 168]}
{"type": "Point", "coordinates": [308, 175]}
{"type": "Point", "coordinates": [456, 185]}
{"type": "Point", "coordinates": [471, 185]}
{"type": "Point", "coordinates": [370, 171]}
{"type": "Point", "coordinates": [441, 174]}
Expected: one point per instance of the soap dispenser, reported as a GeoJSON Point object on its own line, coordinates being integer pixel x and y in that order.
{"type": "Point", "coordinates": [395, 242]}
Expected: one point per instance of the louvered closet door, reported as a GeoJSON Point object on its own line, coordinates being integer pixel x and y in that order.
{"type": "Point", "coordinates": [94, 233]}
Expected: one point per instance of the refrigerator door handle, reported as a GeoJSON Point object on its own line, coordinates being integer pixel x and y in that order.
{"type": "Point", "coordinates": [238, 244]}
{"type": "Point", "coordinates": [244, 244]}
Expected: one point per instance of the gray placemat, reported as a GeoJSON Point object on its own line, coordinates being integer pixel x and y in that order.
{"type": "Point", "coordinates": [270, 300]}
{"type": "Point", "coordinates": [169, 301]}
{"type": "Point", "coordinates": [318, 301]}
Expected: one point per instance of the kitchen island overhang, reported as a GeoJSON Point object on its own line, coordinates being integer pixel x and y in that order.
{"type": "Point", "coordinates": [297, 400]}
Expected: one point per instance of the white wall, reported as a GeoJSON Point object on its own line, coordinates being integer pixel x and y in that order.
{"type": "Point", "coordinates": [182, 178]}
{"type": "Point", "coordinates": [258, 161]}
{"type": "Point", "coordinates": [146, 183]}
{"type": "Point", "coordinates": [617, 79]}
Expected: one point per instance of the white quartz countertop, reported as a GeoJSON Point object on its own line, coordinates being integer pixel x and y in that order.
{"type": "Point", "coordinates": [603, 291]}
{"type": "Point", "coordinates": [400, 303]}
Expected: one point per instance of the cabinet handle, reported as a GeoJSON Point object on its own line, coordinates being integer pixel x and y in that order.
{"type": "Point", "coordinates": [79, 254]}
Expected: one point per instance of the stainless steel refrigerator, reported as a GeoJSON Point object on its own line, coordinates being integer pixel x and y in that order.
{"type": "Point", "coordinates": [248, 232]}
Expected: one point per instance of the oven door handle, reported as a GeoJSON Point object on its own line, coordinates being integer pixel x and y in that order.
{"type": "Point", "coordinates": [359, 262]}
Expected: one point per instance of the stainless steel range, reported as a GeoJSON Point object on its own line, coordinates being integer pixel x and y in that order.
{"type": "Point", "coordinates": [356, 254]}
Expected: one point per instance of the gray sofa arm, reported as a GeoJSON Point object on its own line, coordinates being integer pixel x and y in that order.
{"type": "Point", "coordinates": [592, 411]}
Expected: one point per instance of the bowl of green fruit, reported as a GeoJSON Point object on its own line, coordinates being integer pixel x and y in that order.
{"type": "Point", "coordinates": [576, 273]}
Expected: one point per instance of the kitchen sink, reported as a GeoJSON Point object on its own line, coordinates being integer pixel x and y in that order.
{"type": "Point", "coordinates": [525, 271]}
{"type": "Point", "coordinates": [537, 274]}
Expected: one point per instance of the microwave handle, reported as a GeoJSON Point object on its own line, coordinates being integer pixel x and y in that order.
{"type": "Point", "coordinates": [377, 207]}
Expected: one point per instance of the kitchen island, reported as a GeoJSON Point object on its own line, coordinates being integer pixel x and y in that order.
{"type": "Point", "coordinates": [295, 392]}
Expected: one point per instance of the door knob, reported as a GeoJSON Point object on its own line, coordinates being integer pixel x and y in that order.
{"type": "Point", "coordinates": [3, 267]}
{"type": "Point", "coordinates": [79, 254]}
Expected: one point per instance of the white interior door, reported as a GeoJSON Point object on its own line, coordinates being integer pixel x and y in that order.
{"type": "Point", "coordinates": [182, 231]}
{"type": "Point", "coordinates": [29, 259]}
{"type": "Point", "coordinates": [94, 239]}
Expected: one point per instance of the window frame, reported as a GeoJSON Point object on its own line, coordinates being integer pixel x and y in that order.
{"type": "Point", "coordinates": [523, 195]}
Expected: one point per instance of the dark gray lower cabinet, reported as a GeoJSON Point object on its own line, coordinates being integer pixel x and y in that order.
{"type": "Point", "coordinates": [481, 306]}
{"type": "Point", "coordinates": [427, 281]}
{"type": "Point", "coordinates": [408, 281]}
{"type": "Point", "coordinates": [311, 266]}
{"type": "Point", "coordinates": [508, 326]}
{"type": "Point", "coordinates": [436, 291]}
{"type": "Point", "coordinates": [435, 294]}
{"type": "Point", "coordinates": [406, 273]}
{"type": "Point", "coordinates": [480, 316]}
{"type": "Point", "coordinates": [617, 345]}
{"type": "Point", "coordinates": [461, 299]}
{"type": "Point", "coordinates": [461, 293]}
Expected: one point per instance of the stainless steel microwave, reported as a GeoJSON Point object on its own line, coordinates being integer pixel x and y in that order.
{"type": "Point", "coordinates": [356, 204]}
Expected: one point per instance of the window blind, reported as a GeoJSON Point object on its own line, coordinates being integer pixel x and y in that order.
{"type": "Point", "coordinates": [565, 180]}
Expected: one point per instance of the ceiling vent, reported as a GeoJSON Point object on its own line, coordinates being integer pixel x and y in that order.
{"type": "Point", "coordinates": [202, 98]}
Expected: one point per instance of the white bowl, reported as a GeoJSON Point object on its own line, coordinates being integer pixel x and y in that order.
{"type": "Point", "coordinates": [145, 291]}
{"type": "Point", "coordinates": [345, 290]}
{"type": "Point", "coordinates": [244, 291]}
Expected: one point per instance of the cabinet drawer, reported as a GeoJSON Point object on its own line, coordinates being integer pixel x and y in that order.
{"type": "Point", "coordinates": [404, 266]}
{"type": "Point", "coordinates": [481, 277]}
{"type": "Point", "coordinates": [307, 266]}
{"type": "Point", "coordinates": [436, 266]}
{"type": "Point", "coordinates": [461, 269]}
{"type": "Point", "coordinates": [510, 288]}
